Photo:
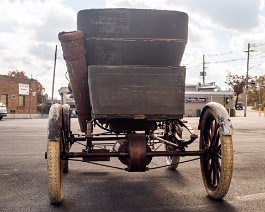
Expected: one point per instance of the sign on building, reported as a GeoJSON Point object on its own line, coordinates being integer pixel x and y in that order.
{"type": "Point", "coordinates": [196, 99]}
{"type": "Point", "coordinates": [23, 89]}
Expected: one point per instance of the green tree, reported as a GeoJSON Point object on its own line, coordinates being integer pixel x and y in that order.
{"type": "Point", "coordinates": [256, 91]}
{"type": "Point", "coordinates": [237, 83]}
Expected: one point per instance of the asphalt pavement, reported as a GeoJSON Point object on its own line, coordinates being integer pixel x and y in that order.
{"type": "Point", "coordinates": [87, 187]}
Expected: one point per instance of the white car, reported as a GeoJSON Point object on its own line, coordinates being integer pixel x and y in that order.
{"type": "Point", "coordinates": [3, 111]}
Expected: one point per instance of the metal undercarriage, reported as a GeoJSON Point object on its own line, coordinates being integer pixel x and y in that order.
{"type": "Point", "coordinates": [134, 149]}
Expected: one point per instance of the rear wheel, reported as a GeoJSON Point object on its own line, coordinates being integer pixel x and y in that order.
{"type": "Point", "coordinates": [65, 135]}
{"type": "Point", "coordinates": [217, 164]}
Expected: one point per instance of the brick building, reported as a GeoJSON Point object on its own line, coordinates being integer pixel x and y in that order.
{"type": "Point", "coordinates": [19, 94]}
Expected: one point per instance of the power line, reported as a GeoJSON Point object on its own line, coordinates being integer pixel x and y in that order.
{"type": "Point", "coordinates": [222, 61]}
{"type": "Point", "coordinates": [231, 52]}
{"type": "Point", "coordinates": [194, 65]}
{"type": "Point", "coordinates": [258, 56]}
{"type": "Point", "coordinates": [191, 67]}
{"type": "Point", "coordinates": [226, 61]}
{"type": "Point", "coordinates": [257, 45]}
{"type": "Point", "coordinates": [225, 53]}
{"type": "Point", "coordinates": [213, 55]}
{"type": "Point", "coordinates": [42, 73]}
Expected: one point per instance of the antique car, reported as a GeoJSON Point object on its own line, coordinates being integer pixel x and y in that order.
{"type": "Point", "coordinates": [126, 79]}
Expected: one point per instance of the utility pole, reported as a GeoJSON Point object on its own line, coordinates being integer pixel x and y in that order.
{"type": "Point", "coordinates": [54, 67]}
{"type": "Point", "coordinates": [30, 96]}
{"type": "Point", "coordinates": [203, 69]}
{"type": "Point", "coordinates": [246, 82]}
{"type": "Point", "coordinates": [203, 73]}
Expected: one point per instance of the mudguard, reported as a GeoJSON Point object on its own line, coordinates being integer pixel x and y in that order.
{"type": "Point", "coordinates": [65, 116]}
{"type": "Point", "coordinates": [55, 122]}
{"type": "Point", "coordinates": [222, 115]}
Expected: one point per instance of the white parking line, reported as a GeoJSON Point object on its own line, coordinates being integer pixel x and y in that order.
{"type": "Point", "coordinates": [258, 196]}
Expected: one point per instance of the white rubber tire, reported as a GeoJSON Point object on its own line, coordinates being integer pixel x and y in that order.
{"type": "Point", "coordinates": [54, 171]}
{"type": "Point", "coordinates": [216, 183]}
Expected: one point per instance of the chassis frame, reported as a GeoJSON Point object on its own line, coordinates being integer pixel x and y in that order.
{"type": "Point", "coordinates": [136, 149]}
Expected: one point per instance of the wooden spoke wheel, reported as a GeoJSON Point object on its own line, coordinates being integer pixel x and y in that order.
{"type": "Point", "coordinates": [217, 164]}
{"type": "Point", "coordinates": [65, 134]}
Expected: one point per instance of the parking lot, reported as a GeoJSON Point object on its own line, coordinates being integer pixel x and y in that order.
{"type": "Point", "coordinates": [23, 177]}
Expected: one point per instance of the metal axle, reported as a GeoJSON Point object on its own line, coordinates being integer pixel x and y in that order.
{"type": "Point", "coordinates": [126, 154]}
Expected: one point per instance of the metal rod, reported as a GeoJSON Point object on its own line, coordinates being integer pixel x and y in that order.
{"type": "Point", "coordinates": [164, 141]}
{"type": "Point", "coordinates": [126, 154]}
{"type": "Point", "coordinates": [99, 138]}
{"type": "Point", "coordinates": [176, 153]}
{"type": "Point", "coordinates": [107, 138]}
{"type": "Point", "coordinates": [96, 154]}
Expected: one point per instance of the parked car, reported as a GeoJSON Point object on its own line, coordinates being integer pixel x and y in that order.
{"type": "Point", "coordinates": [239, 106]}
{"type": "Point", "coordinates": [3, 111]}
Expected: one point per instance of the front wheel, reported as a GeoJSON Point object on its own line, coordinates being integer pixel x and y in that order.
{"type": "Point", "coordinates": [217, 163]}
{"type": "Point", "coordinates": [54, 145]}
{"type": "Point", "coordinates": [54, 171]}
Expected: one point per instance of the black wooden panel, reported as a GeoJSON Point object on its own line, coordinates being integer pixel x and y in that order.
{"type": "Point", "coordinates": [134, 52]}
{"type": "Point", "coordinates": [137, 91]}
{"type": "Point", "coordinates": [133, 23]}
{"type": "Point", "coordinates": [133, 36]}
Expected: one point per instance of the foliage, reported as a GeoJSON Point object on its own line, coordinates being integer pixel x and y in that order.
{"type": "Point", "coordinates": [41, 95]}
{"type": "Point", "coordinates": [256, 91]}
{"type": "Point", "coordinates": [237, 83]}
{"type": "Point", "coordinates": [17, 73]}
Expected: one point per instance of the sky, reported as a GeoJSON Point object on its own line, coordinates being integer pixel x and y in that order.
{"type": "Point", "coordinates": [220, 30]}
